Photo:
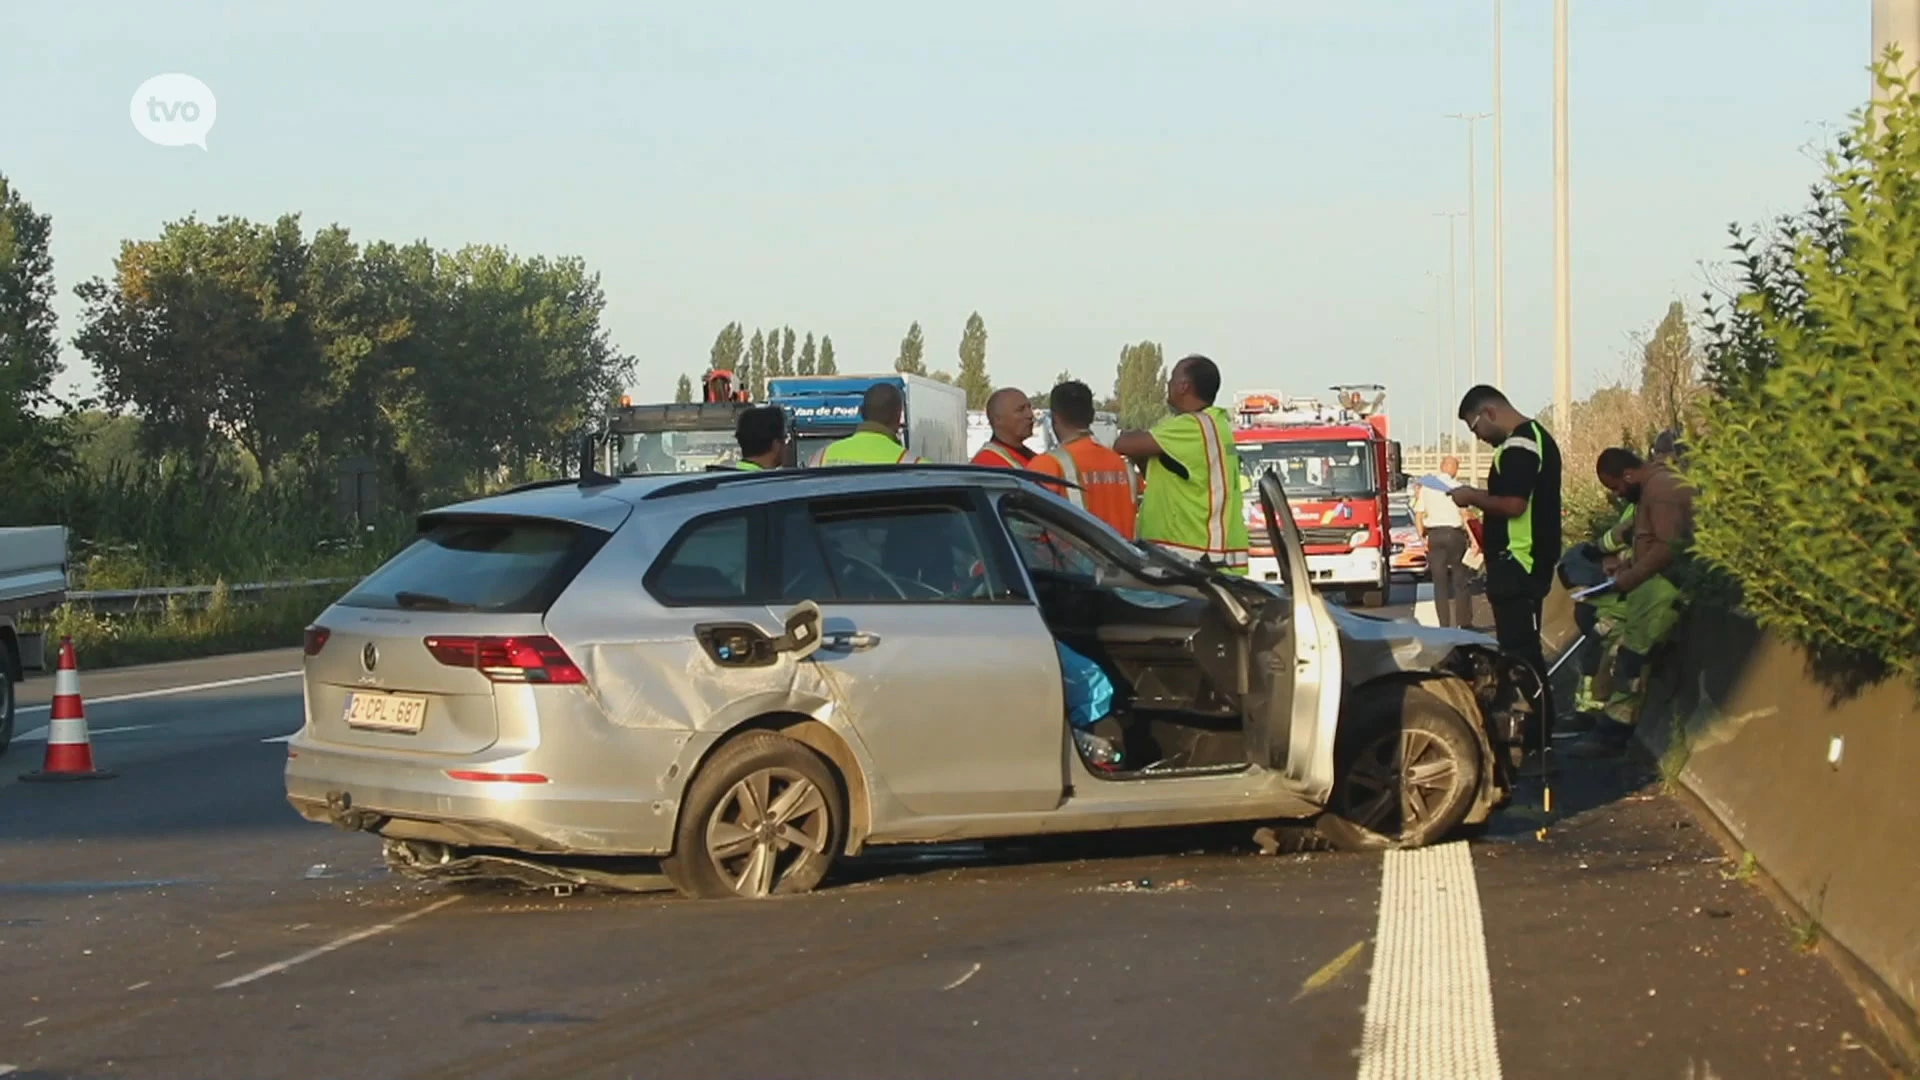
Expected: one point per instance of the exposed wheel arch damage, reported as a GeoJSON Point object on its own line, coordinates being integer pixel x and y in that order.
{"type": "Point", "coordinates": [821, 739]}
{"type": "Point", "coordinates": [1492, 691]}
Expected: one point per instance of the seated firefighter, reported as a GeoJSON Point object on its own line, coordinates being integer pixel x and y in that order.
{"type": "Point", "coordinates": [1643, 606]}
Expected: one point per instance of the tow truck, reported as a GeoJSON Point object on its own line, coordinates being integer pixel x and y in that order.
{"type": "Point", "coordinates": [677, 437]}
{"type": "Point", "coordinates": [1339, 467]}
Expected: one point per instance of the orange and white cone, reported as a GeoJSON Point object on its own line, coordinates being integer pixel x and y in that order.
{"type": "Point", "coordinates": [69, 751]}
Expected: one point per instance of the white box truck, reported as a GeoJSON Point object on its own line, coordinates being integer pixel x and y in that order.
{"type": "Point", "coordinates": [823, 408]}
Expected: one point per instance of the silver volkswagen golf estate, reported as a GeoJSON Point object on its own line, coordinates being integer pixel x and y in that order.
{"type": "Point", "coordinates": [742, 676]}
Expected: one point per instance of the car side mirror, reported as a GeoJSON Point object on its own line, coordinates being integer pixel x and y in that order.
{"type": "Point", "coordinates": [802, 634]}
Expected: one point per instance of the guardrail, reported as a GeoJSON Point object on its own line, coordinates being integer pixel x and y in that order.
{"type": "Point", "coordinates": [120, 601]}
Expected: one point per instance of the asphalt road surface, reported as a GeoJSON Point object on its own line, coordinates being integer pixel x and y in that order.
{"type": "Point", "coordinates": [180, 921]}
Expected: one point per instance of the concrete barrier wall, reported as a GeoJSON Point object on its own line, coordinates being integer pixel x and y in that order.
{"type": "Point", "coordinates": [1821, 785]}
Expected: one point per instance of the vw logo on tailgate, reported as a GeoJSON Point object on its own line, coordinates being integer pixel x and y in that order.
{"type": "Point", "coordinates": [369, 656]}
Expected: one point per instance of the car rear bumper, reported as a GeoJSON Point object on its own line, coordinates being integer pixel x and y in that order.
{"type": "Point", "coordinates": [411, 799]}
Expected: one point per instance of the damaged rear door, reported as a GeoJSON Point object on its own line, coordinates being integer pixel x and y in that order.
{"type": "Point", "coordinates": [1294, 676]}
{"type": "Point", "coordinates": [936, 656]}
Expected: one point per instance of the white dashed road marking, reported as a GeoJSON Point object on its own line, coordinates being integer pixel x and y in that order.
{"type": "Point", "coordinates": [336, 943]}
{"type": "Point", "coordinates": [1430, 1005]}
{"type": "Point", "coordinates": [169, 691]}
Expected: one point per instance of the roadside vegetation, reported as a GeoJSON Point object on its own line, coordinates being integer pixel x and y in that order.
{"type": "Point", "coordinates": [1809, 497]}
{"type": "Point", "coordinates": [1800, 403]}
{"type": "Point", "coordinates": [185, 630]}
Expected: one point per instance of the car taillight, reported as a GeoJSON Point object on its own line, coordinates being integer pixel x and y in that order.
{"type": "Point", "coordinates": [316, 639]}
{"type": "Point", "coordinates": [508, 659]}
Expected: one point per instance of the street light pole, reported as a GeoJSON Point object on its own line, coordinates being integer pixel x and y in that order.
{"type": "Point", "coordinates": [1895, 22]}
{"type": "Point", "coordinates": [1453, 326]}
{"type": "Point", "coordinates": [1499, 246]}
{"type": "Point", "coordinates": [1441, 428]}
{"type": "Point", "coordinates": [1473, 274]}
{"type": "Point", "coordinates": [1562, 287]}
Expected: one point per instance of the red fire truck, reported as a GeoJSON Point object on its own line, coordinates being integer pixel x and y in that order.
{"type": "Point", "coordinates": [1339, 468]}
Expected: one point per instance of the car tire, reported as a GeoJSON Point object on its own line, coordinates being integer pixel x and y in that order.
{"type": "Point", "coordinates": [727, 847]}
{"type": "Point", "coordinates": [1380, 731]}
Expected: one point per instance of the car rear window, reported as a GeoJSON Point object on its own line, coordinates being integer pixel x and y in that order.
{"type": "Point", "coordinates": [510, 566]}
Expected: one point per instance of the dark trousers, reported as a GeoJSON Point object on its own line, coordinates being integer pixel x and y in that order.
{"type": "Point", "coordinates": [1446, 561]}
{"type": "Point", "coordinates": [1516, 598]}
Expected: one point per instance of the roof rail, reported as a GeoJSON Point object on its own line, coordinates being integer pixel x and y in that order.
{"type": "Point", "coordinates": [710, 481]}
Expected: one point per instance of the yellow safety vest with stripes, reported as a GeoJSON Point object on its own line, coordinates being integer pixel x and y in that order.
{"type": "Point", "coordinates": [1193, 505]}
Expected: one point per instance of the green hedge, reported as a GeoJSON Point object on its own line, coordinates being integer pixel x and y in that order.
{"type": "Point", "coordinates": [1809, 468]}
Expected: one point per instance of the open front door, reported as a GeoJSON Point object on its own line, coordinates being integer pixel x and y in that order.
{"type": "Point", "coordinates": [1293, 699]}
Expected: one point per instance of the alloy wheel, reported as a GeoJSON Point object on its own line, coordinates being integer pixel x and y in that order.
{"type": "Point", "coordinates": [1409, 776]}
{"type": "Point", "coordinates": [764, 826]}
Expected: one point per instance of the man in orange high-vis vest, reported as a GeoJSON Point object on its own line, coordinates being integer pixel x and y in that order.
{"type": "Point", "coordinates": [1106, 482]}
{"type": "Point", "coordinates": [1010, 415]}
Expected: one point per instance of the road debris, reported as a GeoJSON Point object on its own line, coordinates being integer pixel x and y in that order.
{"type": "Point", "coordinates": [971, 972]}
{"type": "Point", "coordinates": [1145, 885]}
{"type": "Point", "coordinates": [1331, 971]}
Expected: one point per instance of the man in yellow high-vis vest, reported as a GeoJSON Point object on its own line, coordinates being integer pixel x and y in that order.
{"type": "Point", "coordinates": [1520, 524]}
{"type": "Point", "coordinates": [1193, 505]}
{"type": "Point", "coordinates": [876, 440]}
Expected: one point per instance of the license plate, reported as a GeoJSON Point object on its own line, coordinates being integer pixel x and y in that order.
{"type": "Point", "coordinates": [386, 712]}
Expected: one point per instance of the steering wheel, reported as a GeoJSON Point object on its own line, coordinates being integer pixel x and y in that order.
{"type": "Point", "coordinates": [855, 562]}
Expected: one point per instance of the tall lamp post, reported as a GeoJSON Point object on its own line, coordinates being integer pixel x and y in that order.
{"type": "Point", "coordinates": [1895, 22]}
{"type": "Point", "coordinates": [1453, 326]}
{"type": "Point", "coordinates": [1562, 288]}
{"type": "Point", "coordinates": [1499, 245]}
{"type": "Point", "coordinates": [1473, 277]}
{"type": "Point", "coordinates": [1442, 430]}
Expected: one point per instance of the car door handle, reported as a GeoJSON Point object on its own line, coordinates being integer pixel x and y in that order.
{"type": "Point", "coordinates": [850, 641]}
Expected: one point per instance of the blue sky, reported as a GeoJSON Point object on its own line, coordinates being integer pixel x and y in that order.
{"type": "Point", "coordinates": [1252, 180]}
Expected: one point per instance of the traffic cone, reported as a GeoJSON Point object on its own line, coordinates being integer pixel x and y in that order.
{"type": "Point", "coordinates": [69, 751]}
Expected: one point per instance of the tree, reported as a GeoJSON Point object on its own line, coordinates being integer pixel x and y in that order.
{"type": "Point", "coordinates": [457, 369]}
{"type": "Point", "coordinates": [1044, 398]}
{"type": "Point", "coordinates": [756, 378]}
{"type": "Point", "coordinates": [942, 376]}
{"type": "Point", "coordinates": [203, 332]}
{"type": "Point", "coordinates": [31, 443]}
{"type": "Point", "coordinates": [787, 363]}
{"type": "Point", "coordinates": [1140, 386]}
{"type": "Point", "coordinates": [1670, 373]}
{"type": "Point", "coordinates": [729, 347]}
{"type": "Point", "coordinates": [973, 363]}
{"type": "Point", "coordinates": [913, 350]}
{"type": "Point", "coordinates": [683, 393]}
{"type": "Point", "coordinates": [828, 366]}
{"type": "Point", "coordinates": [809, 357]}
